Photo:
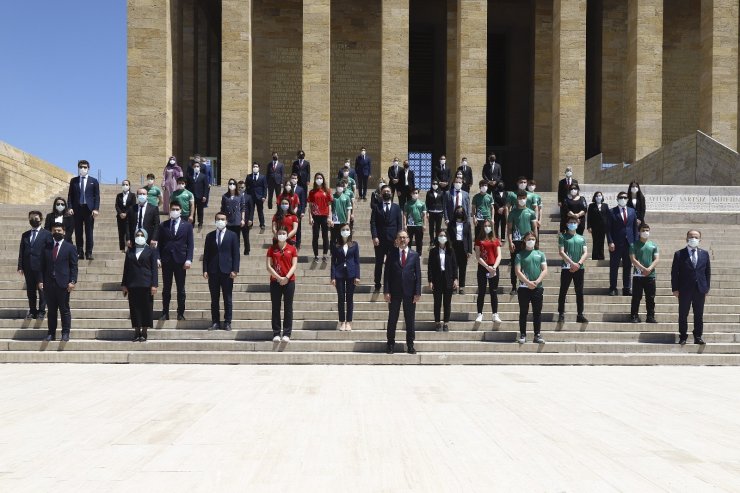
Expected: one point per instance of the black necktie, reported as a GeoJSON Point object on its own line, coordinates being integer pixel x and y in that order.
{"type": "Point", "coordinates": [141, 210]}
{"type": "Point", "coordinates": [218, 238]}
{"type": "Point", "coordinates": [173, 228]}
{"type": "Point", "coordinates": [33, 236]}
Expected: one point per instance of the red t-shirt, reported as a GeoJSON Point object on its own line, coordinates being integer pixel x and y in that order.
{"type": "Point", "coordinates": [488, 250]}
{"type": "Point", "coordinates": [319, 201]}
{"type": "Point", "coordinates": [288, 221]}
{"type": "Point", "coordinates": [282, 261]}
{"type": "Point", "coordinates": [292, 198]}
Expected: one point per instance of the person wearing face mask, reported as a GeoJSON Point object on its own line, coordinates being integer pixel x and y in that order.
{"type": "Point", "coordinates": [248, 207]}
{"type": "Point", "coordinates": [482, 207]}
{"type": "Point", "coordinates": [220, 268]}
{"type": "Point", "coordinates": [406, 185]}
{"type": "Point", "coordinates": [139, 284]}
{"type": "Point", "coordinates": [347, 173]}
{"type": "Point", "coordinates": [519, 222]}
{"type": "Point", "coordinates": [435, 202]}
{"type": "Point", "coordinates": [443, 279]}
{"type": "Point", "coordinates": [457, 197]}
{"type": "Point", "coordinates": [574, 205]}
{"type": "Point", "coordinates": [531, 268]}
{"type": "Point", "coordinates": [124, 200]}
{"type": "Point", "coordinates": [300, 192]}
{"type": "Point", "coordinates": [492, 173]}
{"type": "Point", "coordinates": [564, 185]}
{"type": "Point", "coordinates": [488, 255]}
{"type": "Point", "coordinates": [500, 211]}
{"type": "Point", "coordinates": [573, 250]}
{"type": "Point", "coordinates": [282, 261]}
{"type": "Point", "coordinates": [172, 172]}
{"type": "Point", "coordinates": [289, 193]}
{"type": "Point", "coordinates": [57, 278]}
{"type": "Point", "coordinates": [644, 255]}
{"type": "Point", "coordinates": [536, 203]}
{"type": "Point", "coordinates": [302, 169]}
{"type": "Point", "coordinates": [284, 218]}
{"type": "Point", "coordinates": [141, 215]}
{"type": "Point", "coordinates": [414, 221]}
{"type": "Point", "coordinates": [621, 232]}
{"type": "Point", "coordinates": [691, 276]}
{"type": "Point", "coordinates": [84, 203]}
{"type": "Point", "coordinates": [274, 178]}
{"type": "Point", "coordinates": [376, 198]}
{"type": "Point", "coordinates": [319, 200]}
{"type": "Point", "coordinates": [154, 193]}
{"type": "Point", "coordinates": [467, 174]}
{"type": "Point", "coordinates": [33, 244]}
{"type": "Point", "coordinates": [257, 188]}
{"type": "Point", "coordinates": [402, 287]}
{"type": "Point", "coordinates": [363, 169]}
{"type": "Point", "coordinates": [201, 189]}
{"type": "Point", "coordinates": [521, 186]}
{"type": "Point", "coordinates": [394, 176]}
{"type": "Point", "coordinates": [441, 173]}
{"type": "Point", "coordinates": [60, 215]}
{"type": "Point", "coordinates": [596, 218]}
{"type": "Point", "coordinates": [186, 199]}
{"type": "Point", "coordinates": [341, 210]}
{"type": "Point", "coordinates": [460, 238]}
{"type": "Point", "coordinates": [175, 245]}
{"type": "Point", "coordinates": [345, 274]}
{"type": "Point", "coordinates": [636, 201]}
{"type": "Point", "coordinates": [385, 222]}
{"type": "Point", "coordinates": [234, 207]}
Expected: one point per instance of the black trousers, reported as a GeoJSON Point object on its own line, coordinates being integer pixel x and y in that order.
{"type": "Point", "coordinates": [535, 297]}
{"type": "Point", "coordinates": [640, 284]}
{"type": "Point", "coordinates": [462, 262]}
{"type": "Point", "coordinates": [597, 235]}
{"type": "Point", "coordinates": [416, 237]}
{"type": "Point", "coordinates": [380, 252]}
{"type": "Point", "coordinates": [218, 283]}
{"type": "Point", "coordinates": [237, 231]}
{"type": "Point", "coordinates": [272, 189]}
{"type": "Point", "coordinates": [320, 223]}
{"type": "Point", "coordinates": [57, 300]}
{"type": "Point", "coordinates": [245, 236]}
{"type": "Point", "coordinates": [518, 247]}
{"type": "Point", "coordinates": [31, 290]}
{"type": "Point", "coordinates": [335, 233]}
{"type": "Point", "coordinates": [259, 206]}
{"type": "Point", "coordinates": [435, 224]}
{"type": "Point", "coordinates": [688, 300]}
{"type": "Point", "coordinates": [199, 207]}
{"type": "Point", "coordinates": [499, 225]}
{"type": "Point", "coordinates": [362, 185]}
{"type": "Point", "coordinates": [168, 271]}
{"type": "Point", "coordinates": [141, 307]}
{"type": "Point", "coordinates": [279, 293]}
{"type": "Point", "coordinates": [345, 294]}
{"type": "Point", "coordinates": [566, 277]}
{"type": "Point", "coordinates": [409, 316]}
{"type": "Point", "coordinates": [621, 254]}
{"type": "Point", "coordinates": [84, 222]}
{"type": "Point", "coordinates": [122, 232]}
{"type": "Point", "coordinates": [441, 294]}
{"type": "Point", "coordinates": [298, 233]}
{"type": "Point", "coordinates": [492, 283]}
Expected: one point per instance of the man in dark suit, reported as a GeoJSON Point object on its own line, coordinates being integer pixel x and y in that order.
{"type": "Point", "coordinates": [564, 185]}
{"type": "Point", "coordinates": [691, 275]}
{"type": "Point", "coordinates": [57, 278]}
{"type": "Point", "coordinates": [441, 173]}
{"type": "Point", "coordinates": [363, 169]}
{"type": "Point", "coordinates": [492, 173]}
{"type": "Point", "coordinates": [274, 178]}
{"type": "Point", "coordinates": [406, 185]}
{"type": "Point", "coordinates": [201, 191]}
{"type": "Point", "coordinates": [394, 176]}
{"type": "Point", "coordinates": [83, 200]}
{"type": "Point", "coordinates": [467, 174]}
{"type": "Point", "coordinates": [220, 267]}
{"type": "Point", "coordinates": [385, 223]}
{"type": "Point", "coordinates": [175, 245]}
{"type": "Point", "coordinates": [621, 232]}
{"type": "Point", "coordinates": [302, 169]}
{"type": "Point", "coordinates": [33, 244]}
{"type": "Point", "coordinates": [144, 216]}
{"type": "Point", "coordinates": [402, 286]}
{"type": "Point", "coordinates": [257, 187]}
{"type": "Point", "coordinates": [457, 197]}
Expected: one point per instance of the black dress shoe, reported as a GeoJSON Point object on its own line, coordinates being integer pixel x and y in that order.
{"type": "Point", "coordinates": [165, 316]}
{"type": "Point", "coordinates": [613, 292]}
{"type": "Point", "coordinates": [227, 326]}
{"type": "Point", "coordinates": [389, 348]}
{"type": "Point", "coordinates": [682, 340]}
{"type": "Point", "coordinates": [581, 319]}
{"type": "Point", "coordinates": [699, 341]}
{"type": "Point", "coordinates": [49, 338]}
{"type": "Point", "coordinates": [561, 317]}
{"type": "Point", "coordinates": [461, 291]}
{"type": "Point", "coordinates": [42, 315]}
{"type": "Point", "coordinates": [626, 292]}
{"type": "Point", "coordinates": [90, 256]}
{"type": "Point", "coordinates": [214, 326]}
{"type": "Point", "coordinates": [180, 317]}
{"type": "Point", "coordinates": [30, 316]}
{"type": "Point", "coordinates": [377, 287]}
{"type": "Point", "coordinates": [651, 320]}
{"type": "Point", "coordinates": [80, 255]}
{"type": "Point", "coordinates": [411, 350]}
{"type": "Point", "coordinates": [65, 337]}
{"type": "Point", "coordinates": [143, 335]}
{"type": "Point", "coordinates": [635, 319]}
{"type": "Point", "coordinates": [137, 335]}
{"type": "Point", "coordinates": [445, 328]}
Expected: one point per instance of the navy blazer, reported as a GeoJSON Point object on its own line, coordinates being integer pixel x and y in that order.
{"type": "Point", "coordinates": [177, 249]}
{"type": "Point", "coordinates": [363, 165]}
{"type": "Point", "coordinates": [276, 175]}
{"type": "Point", "coordinates": [345, 266]}
{"type": "Point", "coordinates": [248, 207]}
{"type": "Point", "coordinates": [233, 208]}
{"type": "Point", "coordinates": [467, 173]}
{"type": "Point", "coordinates": [401, 280]}
{"type": "Point", "coordinates": [256, 188]}
{"type": "Point", "coordinates": [619, 233]}
{"type": "Point", "coordinates": [340, 174]}
{"type": "Point", "coordinates": [440, 174]}
{"type": "Point", "coordinates": [386, 227]}
{"type": "Point", "coordinates": [302, 198]}
{"type": "Point", "coordinates": [92, 194]}
{"type": "Point", "coordinates": [467, 240]}
{"type": "Point", "coordinates": [64, 270]}
{"type": "Point", "coordinates": [303, 172]}
{"type": "Point", "coordinates": [29, 256]}
{"type": "Point", "coordinates": [492, 172]}
{"type": "Point", "coordinates": [201, 186]}
{"type": "Point", "coordinates": [434, 268]}
{"type": "Point", "coordinates": [224, 258]}
{"type": "Point", "coordinates": [141, 272]}
{"type": "Point", "coordinates": [394, 173]}
{"type": "Point", "coordinates": [150, 221]}
{"type": "Point", "coordinates": [450, 204]}
{"type": "Point", "coordinates": [686, 277]}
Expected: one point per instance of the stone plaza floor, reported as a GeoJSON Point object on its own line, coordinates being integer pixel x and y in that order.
{"type": "Point", "coordinates": [161, 428]}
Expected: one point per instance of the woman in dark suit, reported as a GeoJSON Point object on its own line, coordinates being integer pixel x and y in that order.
{"type": "Point", "coordinates": [233, 206]}
{"type": "Point", "coordinates": [598, 212]}
{"type": "Point", "coordinates": [60, 215]}
{"type": "Point", "coordinates": [442, 275]}
{"type": "Point", "coordinates": [124, 200]}
{"type": "Point", "coordinates": [636, 201]}
{"type": "Point", "coordinates": [345, 274]}
{"type": "Point", "coordinates": [139, 283]}
{"type": "Point", "coordinates": [461, 241]}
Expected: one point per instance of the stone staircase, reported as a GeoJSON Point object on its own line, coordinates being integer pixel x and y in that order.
{"type": "Point", "coordinates": [101, 330]}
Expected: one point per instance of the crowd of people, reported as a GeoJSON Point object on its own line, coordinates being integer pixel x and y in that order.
{"type": "Point", "coordinates": [459, 226]}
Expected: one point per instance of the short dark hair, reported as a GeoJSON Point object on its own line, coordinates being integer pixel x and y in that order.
{"type": "Point", "coordinates": [644, 226]}
{"type": "Point", "coordinates": [175, 203]}
{"type": "Point", "coordinates": [597, 192]}
{"type": "Point", "coordinates": [482, 182]}
{"type": "Point", "coordinates": [35, 213]}
{"type": "Point", "coordinates": [182, 179]}
{"type": "Point", "coordinates": [528, 234]}
{"type": "Point", "coordinates": [219, 213]}
{"type": "Point", "coordinates": [58, 225]}
{"type": "Point", "coordinates": [521, 193]}
{"type": "Point", "coordinates": [83, 162]}
{"type": "Point", "coordinates": [150, 176]}
{"type": "Point", "coordinates": [522, 178]}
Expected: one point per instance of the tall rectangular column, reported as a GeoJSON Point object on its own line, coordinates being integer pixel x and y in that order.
{"type": "Point", "coordinates": [394, 90]}
{"type": "Point", "coordinates": [569, 88]}
{"type": "Point", "coordinates": [149, 87]}
{"type": "Point", "coordinates": [236, 88]}
{"type": "Point", "coordinates": [542, 132]}
{"type": "Point", "coordinates": [644, 118]}
{"type": "Point", "coordinates": [472, 82]}
{"type": "Point", "coordinates": [451, 89]}
{"type": "Point", "coordinates": [718, 92]}
{"type": "Point", "coordinates": [316, 129]}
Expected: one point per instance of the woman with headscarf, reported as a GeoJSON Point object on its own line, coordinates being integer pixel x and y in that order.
{"type": "Point", "coordinates": [139, 284]}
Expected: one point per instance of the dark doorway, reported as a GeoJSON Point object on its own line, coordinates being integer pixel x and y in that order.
{"type": "Point", "coordinates": [594, 13]}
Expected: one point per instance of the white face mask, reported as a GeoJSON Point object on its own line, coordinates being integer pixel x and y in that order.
{"type": "Point", "coordinates": [140, 241]}
{"type": "Point", "coordinates": [288, 189]}
{"type": "Point", "coordinates": [395, 163]}
{"type": "Point", "coordinates": [220, 224]}
{"type": "Point", "coordinates": [345, 233]}
{"type": "Point", "coordinates": [574, 192]}
{"type": "Point", "coordinates": [150, 182]}
{"type": "Point", "coordinates": [340, 189]}
{"type": "Point", "coordinates": [599, 199]}
{"type": "Point", "coordinates": [346, 174]}
{"type": "Point", "coordinates": [362, 152]}
{"type": "Point", "coordinates": [522, 202]}
{"type": "Point", "coordinates": [282, 238]}
{"type": "Point", "coordinates": [172, 161]}
{"type": "Point", "coordinates": [644, 234]}
{"type": "Point", "coordinates": [442, 240]}
{"type": "Point", "coordinates": [141, 198]}
{"type": "Point", "coordinates": [415, 196]}
{"type": "Point", "coordinates": [181, 186]}
{"type": "Point", "coordinates": [83, 171]}
{"type": "Point", "coordinates": [126, 188]}
{"type": "Point", "coordinates": [458, 186]}
{"type": "Point", "coordinates": [693, 242]}
{"type": "Point", "coordinates": [622, 202]}
{"type": "Point", "coordinates": [531, 188]}
{"type": "Point", "coordinates": [232, 187]}
{"type": "Point", "coordinates": [319, 181]}
{"type": "Point", "coordinates": [434, 187]}
{"type": "Point", "coordinates": [197, 169]}
{"type": "Point", "coordinates": [175, 214]}
{"type": "Point", "coordinates": [255, 170]}
{"type": "Point", "coordinates": [488, 230]}
{"type": "Point", "coordinates": [60, 208]}
{"type": "Point", "coordinates": [464, 163]}
{"type": "Point", "coordinates": [530, 244]}
{"type": "Point", "coordinates": [483, 189]}
{"type": "Point", "coordinates": [634, 189]}
{"type": "Point", "coordinates": [442, 161]}
{"type": "Point", "coordinates": [522, 186]}
{"type": "Point", "coordinates": [568, 174]}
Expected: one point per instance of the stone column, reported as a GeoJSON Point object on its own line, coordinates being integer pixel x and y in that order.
{"type": "Point", "coordinates": [718, 93]}
{"type": "Point", "coordinates": [394, 86]}
{"type": "Point", "coordinates": [644, 115]}
{"type": "Point", "coordinates": [149, 87]}
{"type": "Point", "coordinates": [236, 88]}
{"type": "Point", "coordinates": [316, 128]}
{"type": "Point", "coordinates": [569, 88]}
{"type": "Point", "coordinates": [542, 138]}
{"type": "Point", "coordinates": [451, 90]}
{"type": "Point", "coordinates": [472, 82]}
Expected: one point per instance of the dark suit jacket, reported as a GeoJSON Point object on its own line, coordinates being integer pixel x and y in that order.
{"type": "Point", "coordinates": [640, 209]}
{"type": "Point", "coordinates": [686, 277]}
{"type": "Point", "coordinates": [394, 174]}
{"type": "Point", "coordinates": [467, 177]}
{"type": "Point", "coordinates": [492, 172]}
{"type": "Point", "coordinates": [499, 199]}
{"type": "Point", "coordinates": [120, 206]}
{"type": "Point", "coordinates": [434, 269]}
{"type": "Point", "coordinates": [224, 259]}
{"type": "Point", "coordinates": [256, 188]}
{"type": "Point", "coordinates": [301, 192]}
{"type": "Point", "coordinates": [64, 270]}
{"type": "Point", "coordinates": [440, 174]}
{"type": "Point", "coordinates": [29, 256]}
{"type": "Point", "coordinates": [141, 272]}
{"type": "Point", "coordinates": [177, 249]}
{"type": "Point", "coordinates": [345, 266]}
{"type": "Point", "coordinates": [150, 221]}
{"type": "Point", "coordinates": [467, 236]}
{"type": "Point", "coordinates": [386, 227]}
{"type": "Point", "coordinates": [401, 280]}
{"type": "Point", "coordinates": [201, 187]}
{"type": "Point", "coordinates": [276, 175]}
{"type": "Point", "coordinates": [67, 221]}
{"type": "Point", "coordinates": [563, 188]}
{"type": "Point", "coordinates": [340, 174]}
{"type": "Point", "coordinates": [597, 216]}
{"type": "Point", "coordinates": [407, 186]}
{"type": "Point", "coordinates": [619, 233]}
{"type": "Point", "coordinates": [92, 194]}
{"type": "Point", "coordinates": [303, 172]}
{"type": "Point", "coordinates": [248, 207]}
{"type": "Point", "coordinates": [450, 204]}
{"type": "Point", "coordinates": [363, 165]}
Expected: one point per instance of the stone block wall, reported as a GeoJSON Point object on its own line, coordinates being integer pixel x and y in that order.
{"type": "Point", "coordinates": [614, 58]}
{"type": "Point", "coordinates": [27, 179]}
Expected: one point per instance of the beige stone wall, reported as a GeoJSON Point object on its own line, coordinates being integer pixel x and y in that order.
{"type": "Point", "coordinates": [26, 179]}
{"type": "Point", "coordinates": [452, 69]}
{"type": "Point", "coordinates": [542, 132]}
{"type": "Point", "coordinates": [613, 96]}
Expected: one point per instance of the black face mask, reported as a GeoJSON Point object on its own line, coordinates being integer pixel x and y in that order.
{"type": "Point", "coordinates": [500, 186]}
{"type": "Point", "coordinates": [460, 215]}
{"type": "Point", "coordinates": [387, 196]}
{"type": "Point", "coordinates": [301, 156]}
{"type": "Point", "coordinates": [35, 222]}
{"type": "Point", "coordinates": [58, 236]}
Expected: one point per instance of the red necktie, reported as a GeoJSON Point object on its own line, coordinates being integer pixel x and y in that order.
{"type": "Point", "coordinates": [624, 215]}
{"type": "Point", "coordinates": [403, 258]}
{"type": "Point", "coordinates": [54, 253]}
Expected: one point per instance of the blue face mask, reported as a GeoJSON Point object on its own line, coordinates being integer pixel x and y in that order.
{"type": "Point", "coordinates": [572, 226]}
{"type": "Point", "coordinates": [284, 206]}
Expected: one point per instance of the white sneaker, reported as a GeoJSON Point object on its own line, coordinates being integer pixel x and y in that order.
{"type": "Point", "coordinates": [496, 318]}
{"type": "Point", "coordinates": [286, 339]}
{"type": "Point", "coordinates": [479, 318]}
{"type": "Point", "coordinates": [276, 339]}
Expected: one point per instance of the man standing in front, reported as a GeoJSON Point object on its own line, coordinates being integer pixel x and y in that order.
{"type": "Point", "coordinates": [83, 200]}
{"type": "Point", "coordinates": [402, 286]}
{"type": "Point", "coordinates": [175, 245]}
{"type": "Point", "coordinates": [385, 223]}
{"type": "Point", "coordinates": [302, 169]}
{"type": "Point", "coordinates": [57, 279]}
{"type": "Point", "coordinates": [201, 191]}
{"type": "Point", "coordinates": [690, 282]}
{"type": "Point", "coordinates": [33, 244]}
{"type": "Point", "coordinates": [363, 169]}
{"type": "Point", "coordinates": [621, 232]}
{"type": "Point", "coordinates": [220, 267]}
{"type": "Point", "coordinates": [274, 179]}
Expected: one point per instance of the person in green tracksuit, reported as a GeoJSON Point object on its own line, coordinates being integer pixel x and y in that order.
{"type": "Point", "coordinates": [414, 220]}
{"type": "Point", "coordinates": [573, 250]}
{"type": "Point", "coordinates": [644, 255]}
{"type": "Point", "coordinates": [531, 269]}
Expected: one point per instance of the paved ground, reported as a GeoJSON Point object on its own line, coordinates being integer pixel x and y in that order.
{"type": "Point", "coordinates": [378, 429]}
